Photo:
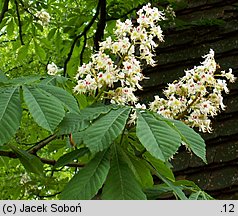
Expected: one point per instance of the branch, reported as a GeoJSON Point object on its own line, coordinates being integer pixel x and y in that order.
{"type": "Point", "coordinates": [41, 144]}
{"type": "Point", "coordinates": [4, 9]}
{"type": "Point", "coordinates": [53, 162]}
{"type": "Point", "coordinates": [125, 15]}
{"type": "Point", "coordinates": [101, 24]}
{"type": "Point", "coordinates": [185, 112]}
{"type": "Point", "coordinates": [83, 49]}
{"type": "Point", "coordinates": [7, 41]}
{"type": "Point", "coordinates": [11, 154]}
{"type": "Point", "coordinates": [87, 27]}
{"type": "Point", "coordinates": [36, 148]}
{"type": "Point", "coordinates": [19, 23]}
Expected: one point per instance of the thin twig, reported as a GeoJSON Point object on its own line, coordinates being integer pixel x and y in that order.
{"type": "Point", "coordinates": [4, 9]}
{"type": "Point", "coordinates": [11, 154]}
{"type": "Point", "coordinates": [87, 27]}
{"type": "Point", "coordinates": [83, 49]}
{"type": "Point", "coordinates": [41, 144]}
{"type": "Point", "coordinates": [19, 23]}
{"type": "Point", "coordinates": [53, 162]}
{"type": "Point", "coordinates": [126, 14]}
{"type": "Point", "coordinates": [101, 24]}
{"type": "Point", "coordinates": [7, 41]}
{"type": "Point", "coordinates": [185, 112]}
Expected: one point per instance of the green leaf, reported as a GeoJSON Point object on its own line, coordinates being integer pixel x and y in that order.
{"type": "Point", "coordinates": [69, 157]}
{"type": "Point", "coordinates": [62, 95]}
{"type": "Point", "coordinates": [82, 100]}
{"type": "Point", "coordinates": [121, 183]}
{"type": "Point", "coordinates": [161, 167]}
{"type": "Point", "coordinates": [192, 139]}
{"type": "Point", "coordinates": [29, 161]}
{"type": "Point", "coordinates": [176, 189]}
{"type": "Point", "coordinates": [200, 195]}
{"type": "Point", "coordinates": [10, 113]}
{"type": "Point", "coordinates": [45, 109]}
{"type": "Point", "coordinates": [141, 171]}
{"type": "Point", "coordinates": [40, 51]}
{"type": "Point", "coordinates": [71, 123]}
{"type": "Point", "coordinates": [22, 52]}
{"type": "Point", "coordinates": [156, 136]}
{"type": "Point", "coordinates": [157, 192]}
{"type": "Point", "coordinates": [3, 77]}
{"type": "Point", "coordinates": [161, 190]}
{"type": "Point", "coordinates": [94, 111]}
{"type": "Point", "coordinates": [39, 26]}
{"type": "Point", "coordinates": [10, 28]}
{"type": "Point", "coordinates": [25, 80]}
{"type": "Point", "coordinates": [186, 184]}
{"type": "Point", "coordinates": [86, 183]}
{"type": "Point", "coordinates": [77, 138]}
{"type": "Point", "coordinates": [105, 129]}
{"type": "Point", "coordinates": [51, 33]}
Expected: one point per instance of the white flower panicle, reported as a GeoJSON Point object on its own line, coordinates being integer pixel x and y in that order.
{"type": "Point", "coordinates": [52, 69]}
{"type": "Point", "coordinates": [133, 115]}
{"type": "Point", "coordinates": [114, 72]}
{"type": "Point", "coordinates": [197, 96]}
{"type": "Point", "coordinates": [43, 16]}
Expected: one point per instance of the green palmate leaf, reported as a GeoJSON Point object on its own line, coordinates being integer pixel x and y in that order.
{"type": "Point", "coordinates": [200, 195]}
{"type": "Point", "coordinates": [157, 191]}
{"type": "Point", "coordinates": [86, 183]}
{"type": "Point", "coordinates": [29, 161]}
{"type": "Point", "coordinates": [190, 186]}
{"type": "Point", "coordinates": [25, 80]}
{"type": "Point", "coordinates": [54, 80]}
{"type": "Point", "coordinates": [45, 109]}
{"type": "Point", "coordinates": [51, 33]}
{"type": "Point", "coordinates": [174, 188]}
{"type": "Point", "coordinates": [121, 184]}
{"type": "Point", "coordinates": [3, 77]}
{"type": "Point", "coordinates": [94, 111]}
{"type": "Point", "coordinates": [161, 167]}
{"type": "Point", "coordinates": [63, 96]}
{"type": "Point", "coordinates": [192, 139]}
{"type": "Point", "coordinates": [156, 136]}
{"type": "Point", "coordinates": [73, 122]}
{"type": "Point", "coordinates": [40, 51]}
{"type": "Point", "coordinates": [141, 171]}
{"type": "Point", "coordinates": [187, 185]}
{"type": "Point", "coordinates": [105, 129]}
{"type": "Point", "coordinates": [22, 52]}
{"type": "Point", "coordinates": [10, 113]}
{"type": "Point", "coordinates": [69, 157]}
{"type": "Point", "coordinates": [10, 27]}
{"type": "Point", "coordinates": [82, 100]}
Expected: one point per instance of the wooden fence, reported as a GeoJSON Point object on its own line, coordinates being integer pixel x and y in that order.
{"type": "Point", "coordinates": [206, 24]}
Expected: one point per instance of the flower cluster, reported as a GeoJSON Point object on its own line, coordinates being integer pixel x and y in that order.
{"type": "Point", "coordinates": [52, 69]}
{"type": "Point", "coordinates": [114, 72]}
{"type": "Point", "coordinates": [43, 16]}
{"type": "Point", "coordinates": [196, 96]}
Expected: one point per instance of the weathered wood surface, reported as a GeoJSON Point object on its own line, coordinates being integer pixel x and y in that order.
{"type": "Point", "coordinates": [183, 49]}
